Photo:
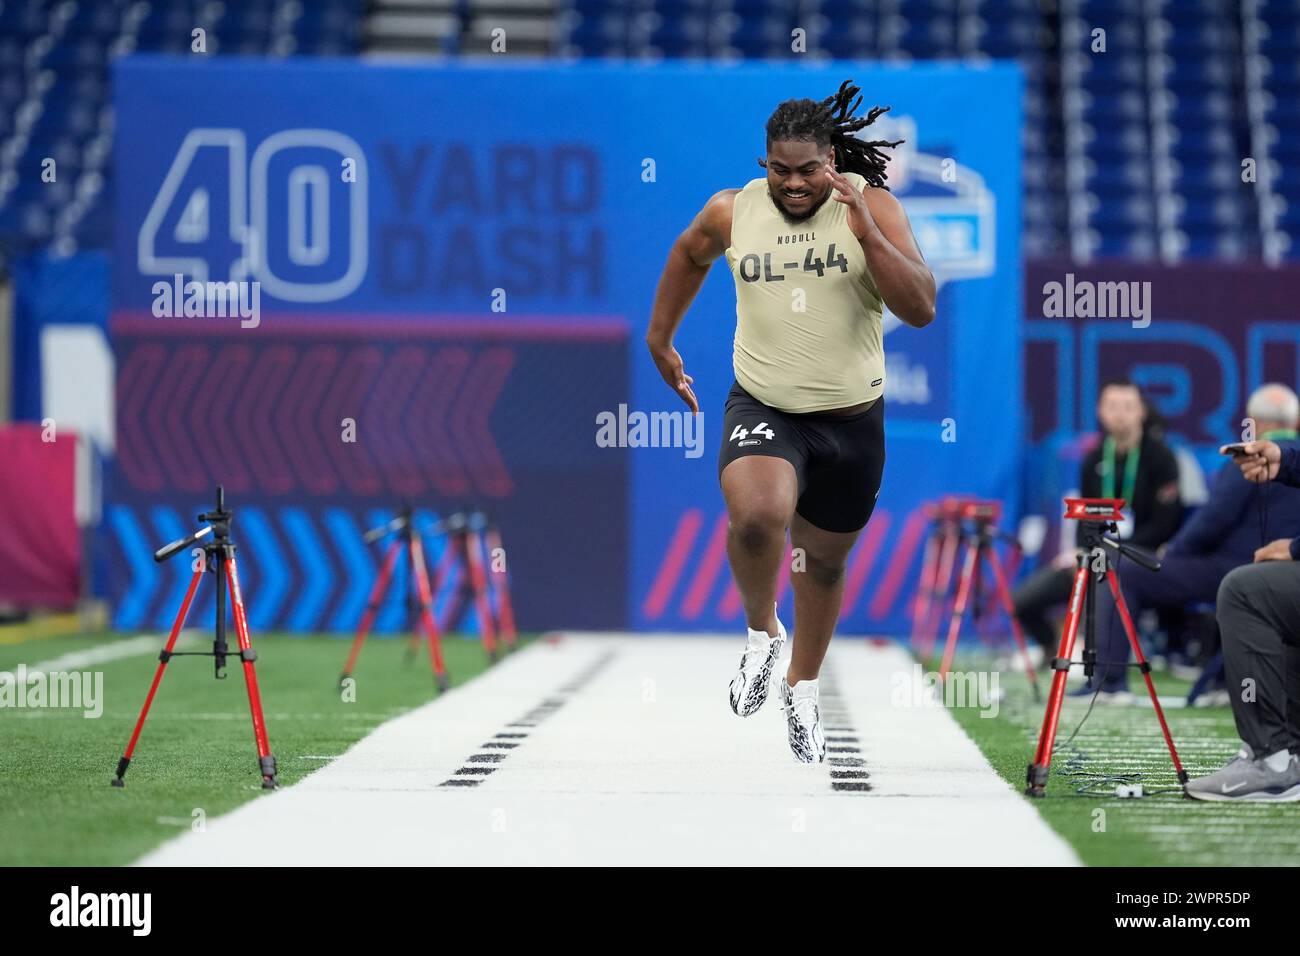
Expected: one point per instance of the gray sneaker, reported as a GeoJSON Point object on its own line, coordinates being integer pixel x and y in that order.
{"type": "Point", "coordinates": [1248, 778]}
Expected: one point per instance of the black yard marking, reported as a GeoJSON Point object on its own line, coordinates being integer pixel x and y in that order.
{"type": "Point", "coordinates": [472, 772]}
{"type": "Point", "coordinates": [847, 775]}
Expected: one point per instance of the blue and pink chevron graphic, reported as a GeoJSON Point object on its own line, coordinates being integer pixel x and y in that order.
{"type": "Point", "coordinates": [443, 417]}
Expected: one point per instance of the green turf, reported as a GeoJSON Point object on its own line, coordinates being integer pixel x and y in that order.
{"type": "Point", "coordinates": [197, 750]}
{"type": "Point", "coordinates": [56, 807]}
{"type": "Point", "coordinates": [1161, 830]}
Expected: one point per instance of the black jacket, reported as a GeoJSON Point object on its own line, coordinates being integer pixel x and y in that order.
{"type": "Point", "coordinates": [1157, 509]}
{"type": "Point", "coordinates": [1289, 474]}
{"type": "Point", "coordinates": [1228, 524]}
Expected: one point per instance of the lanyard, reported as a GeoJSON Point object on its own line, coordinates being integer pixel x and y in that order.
{"type": "Point", "coordinates": [1108, 471]}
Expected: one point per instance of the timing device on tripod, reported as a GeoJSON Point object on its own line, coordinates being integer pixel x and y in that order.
{"type": "Point", "coordinates": [1098, 519]}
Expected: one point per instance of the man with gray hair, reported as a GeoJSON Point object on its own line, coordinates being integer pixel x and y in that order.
{"type": "Point", "coordinates": [1273, 407]}
{"type": "Point", "coordinates": [1223, 534]}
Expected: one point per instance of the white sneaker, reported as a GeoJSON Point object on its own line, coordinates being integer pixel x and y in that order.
{"type": "Point", "coordinates": [1214, 698]}
{"type": "Point", "coordinates": [1014, 662]}
{"type": "Point", "coordinates": [803, 720]}
{"type": "Point", "coordinates": [750, 685]}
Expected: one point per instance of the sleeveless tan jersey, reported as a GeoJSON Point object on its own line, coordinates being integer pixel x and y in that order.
{"type": "Point", "coordinates": [808, 315]}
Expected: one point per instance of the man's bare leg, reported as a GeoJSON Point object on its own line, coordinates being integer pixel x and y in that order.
{"type": "Point", "coordinates": [818, 591]}
{"type": "Point", "coordinates": [760, 492]}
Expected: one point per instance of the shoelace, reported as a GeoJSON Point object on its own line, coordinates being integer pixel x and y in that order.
{"type": "Point", "coordinates": [790, 704]}
{"type": "Point", "coordinates": [757, 649]}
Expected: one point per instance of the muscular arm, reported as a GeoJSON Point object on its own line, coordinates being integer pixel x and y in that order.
{"type": "Point", "coordinates": [900, 273]}
{"type": "Point", "coordinates": [706, 238]}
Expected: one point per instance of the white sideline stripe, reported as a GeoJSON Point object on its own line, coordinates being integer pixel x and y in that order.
{"type": "Point", "coordinates": [645, 764]}
{"type": "Point", "coordinates": [111, 651]}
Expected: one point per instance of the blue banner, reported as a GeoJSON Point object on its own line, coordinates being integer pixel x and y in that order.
{"type": "Point", "coordinates": [460, 260]}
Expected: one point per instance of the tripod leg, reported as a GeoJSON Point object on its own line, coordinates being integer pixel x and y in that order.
{"type": "Point", "coordinates": [421, 577]}
{"type": "Point", "coordinates": [163, 658]}
{"type": "Point", "coordinates": [925, 589]}
{"type": "Point", "coordinates": [1113, 579]}
{"type": "Point", "coordinates": [265, 762]}
{"type": "Point", "coordinates": [978, 601]}
{"type": "Point", "coordinates": [505, 610]}
{"type": "Point", "coordinates": [430, 624]}
{"type": "Point", "coordinates": [964, 586]}
{"type": "Point", "coordinates": [1036, 777]}
{"type": "Point", "coordinates": [948, 547]}
{"type": "Point", "coordinates": [1004, 598]}
{"type": "Point", "coordinates": [455, 605]}
{"type": "Point", "coordinates": [372, 608]}
{"type": "Point", "coordinates": [482, 600]}
{"type": "Point", "coordinates": [413, 613]}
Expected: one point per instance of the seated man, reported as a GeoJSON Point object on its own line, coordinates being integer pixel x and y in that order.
{"type": "Point", "coordinates": [1130, 462]}
{"type": "Point", "coordinates": [1259, 620]}
{"type": "Point", "coordinates": [1224, 534]}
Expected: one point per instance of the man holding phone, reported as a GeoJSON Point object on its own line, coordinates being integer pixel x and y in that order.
{"type": "Point", "coordinates": [1259, 619]}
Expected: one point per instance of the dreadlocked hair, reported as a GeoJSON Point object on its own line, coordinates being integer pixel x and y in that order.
{"type": "Point", "coordinates": [832, 123]}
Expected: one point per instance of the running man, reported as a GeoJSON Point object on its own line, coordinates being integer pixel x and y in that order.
{"type": "Point", "coordinates": [803, 433]}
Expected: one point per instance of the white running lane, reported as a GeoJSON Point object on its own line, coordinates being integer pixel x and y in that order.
{"type": "Point", "coordinates": [642, 762]}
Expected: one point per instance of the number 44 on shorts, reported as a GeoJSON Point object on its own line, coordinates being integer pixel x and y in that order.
{"type": "Point", "coordinates": [740, 433]}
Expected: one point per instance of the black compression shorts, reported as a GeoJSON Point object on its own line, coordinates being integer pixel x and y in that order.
{"type": "Point", "coordinates": [838, 460]}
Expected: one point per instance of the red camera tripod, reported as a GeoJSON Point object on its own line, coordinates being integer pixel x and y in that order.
{"type": "Point", "coordinates": [983, 534]}
{"type": "Point", "coordinates": [468, 537]}
{"type": "Point", "coordinates": [420, 600]}
{"type": "Point", "coordinates": [219, 559]}
{"type": "Point", "coordinates": [937, 563]}
{"type": "Point", "coordinates": [1096, 516]}
{"type": "Point", "coordinates": [473, 541]}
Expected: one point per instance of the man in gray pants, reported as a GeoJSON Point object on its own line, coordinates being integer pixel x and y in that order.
{"type": "Point", "coordinates": [1259, 620]}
